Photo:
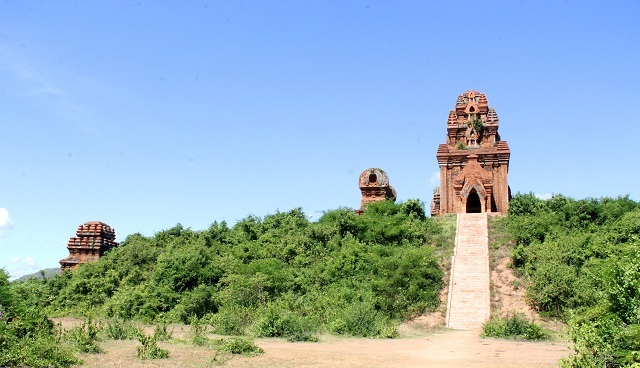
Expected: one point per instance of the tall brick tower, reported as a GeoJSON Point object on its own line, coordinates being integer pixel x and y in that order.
{"type": "Point", "coordinates": [474, 162]}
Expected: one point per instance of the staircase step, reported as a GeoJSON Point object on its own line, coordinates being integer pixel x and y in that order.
{"type": "Point", "coordinates": [468, 305]}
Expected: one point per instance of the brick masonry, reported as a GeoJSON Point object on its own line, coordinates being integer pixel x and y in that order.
{"type": "Point", "coordinates": [374, 186]}
{"type": "Point", "coordinates": [92, 240]}
{"type": "Point", "coordinates": [473, 162]}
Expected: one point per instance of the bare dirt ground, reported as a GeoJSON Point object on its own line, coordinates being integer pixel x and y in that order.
{"type": "Point", "coordinates": [442, 348]}
{"type": "Point", "coordinates": [508, 294]}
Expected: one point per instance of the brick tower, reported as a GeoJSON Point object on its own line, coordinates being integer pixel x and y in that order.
{"type": "Point", "coordinates": [474, 162]}
{"type": "Point", "coordinates": [92, 241]}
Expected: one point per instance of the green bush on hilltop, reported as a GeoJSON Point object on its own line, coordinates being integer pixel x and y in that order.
{"type": "Point", "coordinates": [581, 258]}
{"type": "Point", "coordinates": [352, 275]}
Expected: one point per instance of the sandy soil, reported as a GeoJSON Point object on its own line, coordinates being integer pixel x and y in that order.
{"type": "Point", "coordinates": [508, 293]}
{"type": "Point", "coordinates": [445, 348]}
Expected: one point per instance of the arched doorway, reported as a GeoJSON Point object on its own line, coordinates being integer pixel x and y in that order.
{"type": "Point", "coordinates": [473, 202]}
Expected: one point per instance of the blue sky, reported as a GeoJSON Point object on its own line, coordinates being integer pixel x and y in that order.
{"type": "Point", "coordinates": [151, 113]}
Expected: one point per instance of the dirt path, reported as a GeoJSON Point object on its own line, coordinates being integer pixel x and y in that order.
{"type": "Point", "coordinates": [444, 349]}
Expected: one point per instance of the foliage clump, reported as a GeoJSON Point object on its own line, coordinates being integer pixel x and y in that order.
{"type": "Point", "coordinates": [27, 336]}
{"type": "Point", "coordinates": [515, 326]}
{"type": "Point", "coordinates": [121, 330]}
{"type": "Point", "coordinates": [582, 260]}
{"type": "Point", "coordinates": [276, 321]}
{"type": "Point", "coordinates": [197, 332]}
{"type": "Point", "coordinates": [162, 332]}
{"type": "Point", "coordinates": [238, 345]}
{"type": "Point", "coordinates": [84, 337]}
{"type": "Point", "coordinates": [149, 348]}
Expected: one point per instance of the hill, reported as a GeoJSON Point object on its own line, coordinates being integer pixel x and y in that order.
{"type": "Point", "coordinates": [280, 275]}
{"type": "Point", "coordinates": [47, 273]}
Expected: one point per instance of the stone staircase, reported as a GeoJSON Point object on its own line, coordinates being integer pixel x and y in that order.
{"type": "Point", "coordinates": [468, 305]}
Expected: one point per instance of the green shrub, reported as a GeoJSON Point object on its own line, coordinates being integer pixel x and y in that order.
{"type": "Point", "coordinates": [220, 358]}
{"type": "Point", "coordinates": [244, 290]}
{"type": "Point", "coordinates": [150, 349]}
{"type": "Point", "coordinates": [38, 351]}
{"type": "Point", "coordinates": [161, 332]}
{"type": "Point", "coordinates": [197, 302]}
{"type": "Point", "coordinates": [238, 345]}
{"type": "Point", "coordinates": [276, 322]}
{"type": "Point", "coordinates": [230, 321]}
{"type": "Point", "coordinates": [27, 336]}
{"type": "Point", "coordinates": [553, 287]}
{"type": "Point", "coordinates": [84, 337]}
{"type": "Point", "coordinates": [594, 335]}
{"type": "Point", "coordinates": [121, 330]}
{"type": "Point", "coordinates": [198, 331]}
{"type": "Point", "coordinates": [514, 326]}
{"type": "Point", "coordinates": [608, 333]}
{"type": "Point", "coordinates": [414, 208]}
{"type": "Point", "coordinates": [581, 257]}
{"type": "Point", "coordinates": [361, 319]}
{"type": "Point", "coordinates": [526, 204]}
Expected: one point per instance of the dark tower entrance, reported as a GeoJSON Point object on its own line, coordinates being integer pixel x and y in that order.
{"type": "Point", "coordinates": [473, 203]}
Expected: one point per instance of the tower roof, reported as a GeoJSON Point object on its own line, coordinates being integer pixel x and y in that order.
{"type": "Point", "coordinates": [374, 177]}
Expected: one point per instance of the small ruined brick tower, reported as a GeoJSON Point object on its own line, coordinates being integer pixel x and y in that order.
{"type": "Point", "coordinates": [474, 162]}
{"type": "Point", "coordinates": [92, 241]}
{"type": "Point", "coordinates": [374, 185]}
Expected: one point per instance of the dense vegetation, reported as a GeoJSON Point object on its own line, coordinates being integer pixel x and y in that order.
{"type": "Point", "coordinates": [27, 337]}
{"type": "Point", "coordinates": [582, 262]}
{"type": "Point", "coordinates": [276, 276]}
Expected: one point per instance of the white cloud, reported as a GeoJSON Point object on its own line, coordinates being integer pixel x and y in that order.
{"type": "Point", "coordinates": [434, 180]}
{"type": "Point", "coordinates": [544, 196]}
{"type": "Point", "coordinates": [5, 220]}
{"type": "Point", "coordinates": [20, 266]}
